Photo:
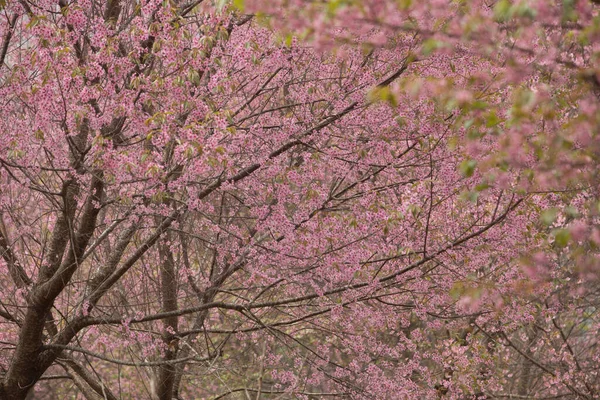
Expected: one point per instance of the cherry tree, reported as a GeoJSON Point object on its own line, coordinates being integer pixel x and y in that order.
{"type": "Point", "coordinates": [254, 200]}
{"type": "Point", "coordinates": [540, 109]}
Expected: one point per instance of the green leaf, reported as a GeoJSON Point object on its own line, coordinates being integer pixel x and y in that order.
{"type": "Point", "coordinates": [492, 119]}
{"type": "Point", "coordinates": [404, 4]}
{"type": "Point", "coordinates": [194, 77]}
{"type": "Point", "coordinates": [33, 21]}
{"type": "Point", "coordinates": [503, 10]}
{"type": "Point", "coordinates": [548, 216]}
{"type": "Point", "coordinates": [384, 94]}
{"type": "Point", "coordinates": [239, 4]}
{"type": "Point", "coordinates": [524, 10]}
{"type": "Point", "coordinates": [431, 45]}
{"type": "Point", "coordinates": [571, 212]}
{"type": "Point", "coordinates": [569, 13]}
{"type": "Point", "coordinates": [467, 168]}
{"type": "Point", "coordinates": [221, 4]}
{"type": "Point", "coordinates": [288, 40]}
{"type": "Point", "coordinates": [334, 5]}
{"type": "Point", "coordinates": [457, 290]}
{"type": "Point", "coordinates": [482, 186]}
{"type": "Point", "coordinates": [479, 105]}
{"type": "Point", "coordinates": [562, 237]}
{"type": "Point", "coordinates": [470, 196]}
{"type": "Point", "coordinates": [452, 143]}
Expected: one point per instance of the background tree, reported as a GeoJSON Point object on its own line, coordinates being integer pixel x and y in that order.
{"type": "Point", "coordinates": [193, 206]}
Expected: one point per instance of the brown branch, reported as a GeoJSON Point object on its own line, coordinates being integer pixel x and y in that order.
{"type": "Point", "coordinates": [274, 154]}
{"type": "Point", "coordinates": [147, 245]}
{"type": "Point", "coordinates": [112, 12]}
{"type": "Point", "coordinates": [258, 92]}
{"type": "Point", "coordinates": [269, 391]}
{"type": "Point", "coordinates": [7, 38]}
{"type": "Point", "coordinates": [168, 291]}
{"type": "Point", "coordinates": [88, 321]}
{"type": "Point", "coordinates": [16, 271]}
{"type": "Point", "coordinates": [403, 271]}
{"type": "Point", "coordinates": [117, 361]}
{"type": "Point", "coordinates": [83, 378]}
{"type": "Point", "coordinates": [47, 292]}
{"type": "Point", "coordinates": [395, 75]}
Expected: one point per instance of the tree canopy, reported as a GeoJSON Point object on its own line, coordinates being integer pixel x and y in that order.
{"type": "Point", "coordinates": [299, 199]}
